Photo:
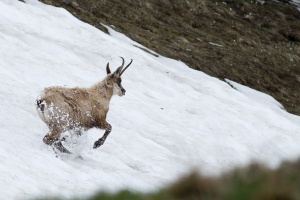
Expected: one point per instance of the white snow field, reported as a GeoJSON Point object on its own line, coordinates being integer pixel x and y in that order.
{"type": "Point", "coordinates": [171, 119]}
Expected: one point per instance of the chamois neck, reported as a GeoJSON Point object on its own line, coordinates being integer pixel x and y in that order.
{"type": "Point", "coordinates": [103, 88]}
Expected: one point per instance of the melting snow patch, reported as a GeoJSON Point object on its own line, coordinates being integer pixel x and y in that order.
{"type": "Point", "coordinates": [215, 44]}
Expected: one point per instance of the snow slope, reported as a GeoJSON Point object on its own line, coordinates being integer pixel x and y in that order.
{"type": "Point", "coordinates": [171, 119]}
{"type": "Point", "coordinates": [297, 3]}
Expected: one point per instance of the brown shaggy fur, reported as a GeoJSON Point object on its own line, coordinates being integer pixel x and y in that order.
{"type": "Point", "coordinates": [65, 109]}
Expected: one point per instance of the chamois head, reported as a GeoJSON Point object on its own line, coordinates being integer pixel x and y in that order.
{"type": "Point", "coordinates": [114, 79]}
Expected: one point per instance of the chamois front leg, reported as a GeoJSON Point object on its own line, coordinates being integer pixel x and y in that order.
{"type": "Point", "coordinates": [101, 141]}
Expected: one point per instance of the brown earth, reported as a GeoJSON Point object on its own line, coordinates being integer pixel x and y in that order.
{"type": "Point", "coordinates": [258, 44]}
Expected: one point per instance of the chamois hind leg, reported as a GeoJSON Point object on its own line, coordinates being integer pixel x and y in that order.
{"type": "Point", "coordinates": [52, 138]}
{"type": "Point", "coordinates": [77, 132]}
{"type": "Point", "coordinates": [101, 141]}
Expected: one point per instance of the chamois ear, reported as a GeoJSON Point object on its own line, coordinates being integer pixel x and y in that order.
{"type": "Point", "coordinates": [107, 69]}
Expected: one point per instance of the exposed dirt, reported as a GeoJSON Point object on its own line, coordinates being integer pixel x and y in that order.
{"type": "Point", "coordinates": [254, 44]}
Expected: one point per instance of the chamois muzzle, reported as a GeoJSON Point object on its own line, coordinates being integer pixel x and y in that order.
{"type": "Point", "coordinates": [123, 91]}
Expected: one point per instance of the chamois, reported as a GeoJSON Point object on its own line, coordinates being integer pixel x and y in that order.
{"type": "Point", "coordinates": [64, 109]}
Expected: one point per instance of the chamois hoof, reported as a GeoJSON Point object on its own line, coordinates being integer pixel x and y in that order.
{"type": "Point", "coordinates": [98, 143]}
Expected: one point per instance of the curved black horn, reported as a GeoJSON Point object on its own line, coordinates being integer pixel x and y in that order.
{"type": "Point", "coordinates": [123, 61]}
{"type": "Point", "coordinates": [119, 69]}
{"type": "Point", "coordinates": [126, 67]}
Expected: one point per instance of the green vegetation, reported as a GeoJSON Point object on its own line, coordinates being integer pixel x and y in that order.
{"type": "Point", "coordinates": [254, 182]}
{"type": "Point", "coordinates": [251, 183]}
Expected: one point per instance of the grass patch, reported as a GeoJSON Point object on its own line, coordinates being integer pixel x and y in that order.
{"type": "Point", "coordinates": [252, 182]}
